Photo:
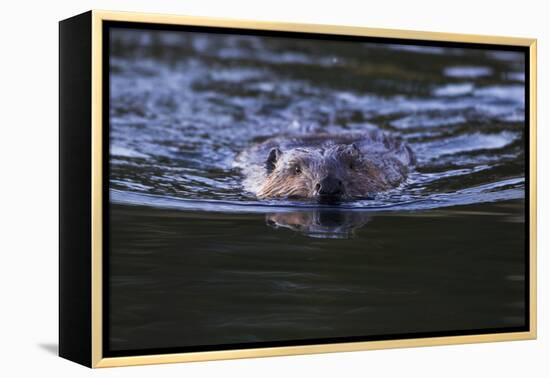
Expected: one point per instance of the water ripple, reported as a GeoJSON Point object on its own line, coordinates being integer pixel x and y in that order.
{"type": "Point", "coordinates": [183, 105]}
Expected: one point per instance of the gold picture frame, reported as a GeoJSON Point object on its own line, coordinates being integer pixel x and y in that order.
{"type": "Point", "coordinates": [94, 22]}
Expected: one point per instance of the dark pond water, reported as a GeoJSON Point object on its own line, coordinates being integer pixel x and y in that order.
{"type": "Point", "coordinates": [186, 278]}
{"type": "Point", "coordinates": [197, 260]}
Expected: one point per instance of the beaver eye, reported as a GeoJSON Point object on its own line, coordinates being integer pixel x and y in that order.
{"type": "Point", "coordinates": [297, 169]}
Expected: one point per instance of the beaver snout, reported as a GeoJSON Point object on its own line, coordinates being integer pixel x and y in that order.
{"type": "Point", "coordinates": [329, 188]}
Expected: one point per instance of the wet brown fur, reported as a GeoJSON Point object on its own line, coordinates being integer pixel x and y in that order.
{"type": "Point", "coordinates": [292, 167]}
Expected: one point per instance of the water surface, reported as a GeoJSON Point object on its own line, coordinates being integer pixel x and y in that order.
{"type": "Point", "coordinates": [184, 104]}
{"type": "Point", "coordinates": [196, 260]}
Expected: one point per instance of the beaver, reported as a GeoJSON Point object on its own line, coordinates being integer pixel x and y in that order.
{"type": "Point", "coordinates": [325, 167]}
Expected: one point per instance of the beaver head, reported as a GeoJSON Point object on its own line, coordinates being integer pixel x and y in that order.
{"type": "Point", "coordinates": [327, 174]}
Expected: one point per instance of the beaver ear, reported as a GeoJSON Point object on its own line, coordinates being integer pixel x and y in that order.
{"type": "Point", "coordinates": [352, 149]}
{"type": "Point", "coordinates": [272, 158]}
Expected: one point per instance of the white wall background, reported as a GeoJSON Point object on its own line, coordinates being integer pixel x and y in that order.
{"type": "Point", "coordinates": [28, 137]}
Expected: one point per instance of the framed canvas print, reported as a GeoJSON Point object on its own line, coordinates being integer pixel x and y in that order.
{"type": "Point", "coordinates": [235, 189]}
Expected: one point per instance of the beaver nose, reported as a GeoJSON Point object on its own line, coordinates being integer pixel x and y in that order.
{"type": "Point", "coordinates": [329, 186]}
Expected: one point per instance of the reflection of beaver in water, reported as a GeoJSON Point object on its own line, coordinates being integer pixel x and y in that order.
{"type": "Point", "coordinates": [320, 222]}
{"type": "Point", "coordinates": [326, 167]}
